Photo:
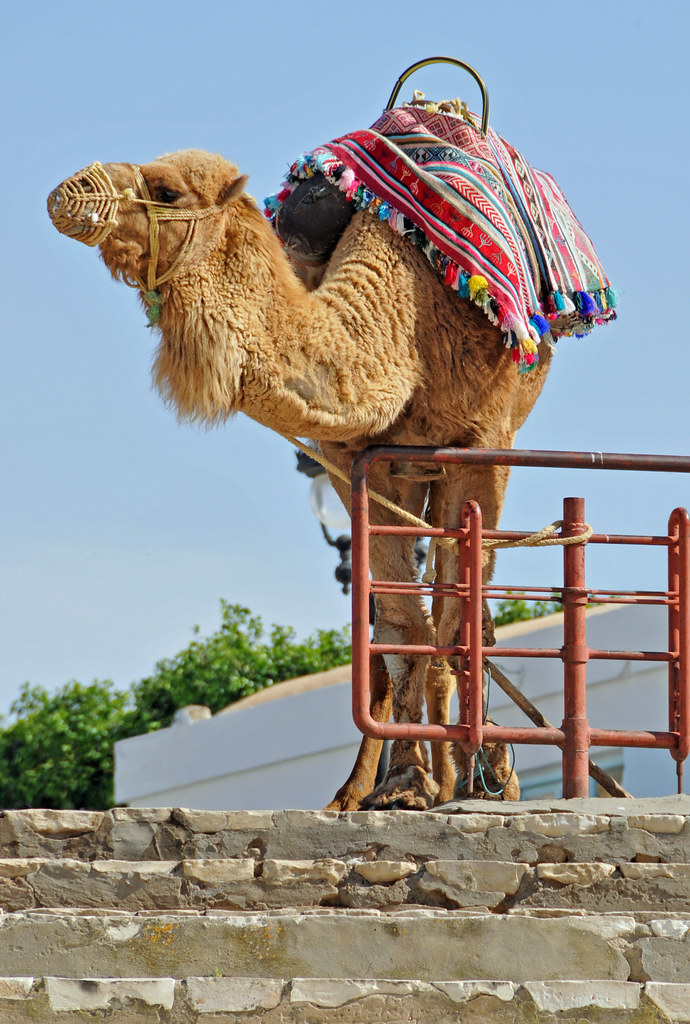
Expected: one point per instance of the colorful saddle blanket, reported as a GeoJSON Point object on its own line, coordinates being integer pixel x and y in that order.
{"type": "Point", "coordinates": [497, 231]}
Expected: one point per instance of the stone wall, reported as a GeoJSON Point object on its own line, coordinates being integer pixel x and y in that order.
{"type": "Point", "coordinates": [548, 911]}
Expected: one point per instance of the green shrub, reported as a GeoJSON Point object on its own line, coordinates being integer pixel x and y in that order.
{"type": "Point", "coordinates": [517, 610]}
{"type": "Point", "coordinates": [57, 750]}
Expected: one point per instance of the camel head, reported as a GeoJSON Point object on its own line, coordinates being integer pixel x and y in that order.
{"type": "Point", "coordinates": [150, 221]}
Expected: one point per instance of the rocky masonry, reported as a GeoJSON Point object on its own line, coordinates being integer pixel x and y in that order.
{"type": "Point", "coordinates": [566, 910]}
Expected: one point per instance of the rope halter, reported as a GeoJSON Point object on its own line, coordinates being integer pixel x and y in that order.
{"type": "Point", "coordinates": [86, 205]}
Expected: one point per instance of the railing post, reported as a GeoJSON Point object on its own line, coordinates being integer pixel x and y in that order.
{"type": "Point", "coordinates": [575, 654]}
{"type": "Point", "coordinates": [470, 677]}
{"type": "Point", "coordinates": [684, 647]}
{"type": "Point", "coordinates": [679, 635]}
{"type": "Point", "coordinates": [361, 696]}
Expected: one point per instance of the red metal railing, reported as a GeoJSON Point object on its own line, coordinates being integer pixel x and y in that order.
{"type": "Point", "coordinates": [575, 736]}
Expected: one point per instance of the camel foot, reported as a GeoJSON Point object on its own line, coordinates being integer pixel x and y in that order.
{"type": "Point", "coordinates": [348, 798]}
{"type": "Point", "coordinates": [500, 781]}
{"type": "Point", "coordinates": [407, 788]}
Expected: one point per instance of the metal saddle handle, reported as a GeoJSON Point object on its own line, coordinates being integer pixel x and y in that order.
{"type": "Point", "coordinates": [444, 60]}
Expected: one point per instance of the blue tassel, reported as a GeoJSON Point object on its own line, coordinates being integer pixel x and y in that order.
{"type": "Point", "coordinates": [612, 296]}
{"type": "Point", "coordinates": [599, 301]}
{"type": "Point", "coordinates": [539, 323]}
{"type": "Point", "coordinates": [463, 289]}
{"type": "Point", "coordinates": [384, 210]}
{"type": "Point", "coordinates": [558, 301]}
{"type": "Point", "coordinates": [585, 304]}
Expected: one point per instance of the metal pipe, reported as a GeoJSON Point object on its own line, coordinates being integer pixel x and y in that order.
{"type": "Point", "coordinates": [523, 457]}
{"type": "Point", "coordinates": [360, 611]}
{"type": "Point", "coordinates": [444, 60]}
{"type": "Point", "coordinates": [471, 567]}
{"type": "Point", "coordinates": [575, 655]}
{"type": "Point", "coordinates": [679, 630]}
{"type": "Point", "coordinates": [575, 737]}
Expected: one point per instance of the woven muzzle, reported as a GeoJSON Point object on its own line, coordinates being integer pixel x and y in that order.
{"type": "Point", "coordinates": [85, 206]}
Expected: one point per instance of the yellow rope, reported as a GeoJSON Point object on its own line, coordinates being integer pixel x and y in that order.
{"type": "Point", "coordinates": [540, 539]}
{"type": "Point", "coordinates": [157, 213]}
{"type": "Point", "coordinates": [379, 498]}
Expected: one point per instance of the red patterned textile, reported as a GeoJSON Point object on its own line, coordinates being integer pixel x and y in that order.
{"type": "Point", "coordinates": [498, 231]}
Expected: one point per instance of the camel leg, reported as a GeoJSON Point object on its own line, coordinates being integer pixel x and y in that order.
{"type": "Point", "coordinates": [439, 687]}
{"type": "Point", "coordinates": [497, 764]}
{"type": "Point", "coordinates": [402, 619]}
{"type": "Point", "coordinates": [363, 775]}
{"type": "Point", "coordinates": [487, 486]}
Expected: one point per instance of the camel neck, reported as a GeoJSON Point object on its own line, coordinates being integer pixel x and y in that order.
{"type": "Point", "coordinates": [241, 333]}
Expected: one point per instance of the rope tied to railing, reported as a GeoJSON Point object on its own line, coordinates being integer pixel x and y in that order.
{"type": "Point", "coordinates": [541, 538]}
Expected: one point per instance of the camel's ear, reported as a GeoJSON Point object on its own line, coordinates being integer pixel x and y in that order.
{"type": "Point", "coordinates": [230, 192]}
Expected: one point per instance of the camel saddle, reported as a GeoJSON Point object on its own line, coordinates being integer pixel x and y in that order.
{"type": "Point", "coordinates": [497, 231]}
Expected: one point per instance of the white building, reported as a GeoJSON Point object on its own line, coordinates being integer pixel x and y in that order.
{"type": "Point", "coordinates": [293, 744]}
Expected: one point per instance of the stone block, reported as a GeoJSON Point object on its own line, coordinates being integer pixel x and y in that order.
{"type": "Point", "coordinates": [286, 872]}
{"type": "Point", "coordinates": [142, 815]}
{"type": "Point", "coordinates": [561, 824]}
{"type": "Point", "coordinates": [16, 988]}
{"type": "Point", "coordinates": [322, 943]}
{"type": "Point", "coordinates": [647, 871]}
{"type": "Point", "coordinates": [464, 991]}
{"type": "Point", "coordinates": [382, 872]}
{"type": "Point", "coordinates": [377, 819]}
{"type": "Point", "coordinates": [57, 824]}
{"type": "Point", "coordinates": [670, 928]}
{"type": "Point", "coordinates": [133, 837]}
{"type": "Point", "coordinates": [131, 885]}
{"type": "Point", "coordinates": [476, 822]}
{"type": "Point", "coordinates": [209, 822]}
{"type": "Point", "coordinates": [607, 926]}
{"type": "Point", "coordinates": [21, 867]}
{"type": "Point", "coordinates": [672, 999]}
{"type": "Point", "coordinates": [38, 833]}
{"type": "Point", "coordinates": [141, 868]}
{"type": "Point", "coordinates": [666, 958]}
{"type": "Point", "coordinates": [662, 823]}
{"type": "Point", "coordinates": [74, 994]}
{"type": "Point", "coordinates": [219, 871]}
{"type": "Point", "coordinates": [559, 996]}
{"type": "Point", "coordinates": [330, 993]}
{"type": "Point", "coordinates": [478, 875]}
{"type": "Point", "coordinates": [233, 995]}
{"type": "Point", "coordinates": [582, 875]}
{"type": "Point", "coordinates": [310, 819]}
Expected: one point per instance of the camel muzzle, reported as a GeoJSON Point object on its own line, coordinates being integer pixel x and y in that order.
{"type": "Point", "coordinates": [85, 206]}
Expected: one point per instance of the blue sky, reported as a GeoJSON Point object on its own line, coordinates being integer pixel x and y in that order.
{"type": "Point", "coordinates": [119, 529]}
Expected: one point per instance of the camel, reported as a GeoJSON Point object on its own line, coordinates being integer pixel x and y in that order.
{"type": "Point", "coordinates": [380, 352]}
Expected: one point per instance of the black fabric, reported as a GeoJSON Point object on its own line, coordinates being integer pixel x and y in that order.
{"type": "Point", "coordinates": [312, 219]}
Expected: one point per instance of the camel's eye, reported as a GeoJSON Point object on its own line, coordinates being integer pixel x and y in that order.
{"type": "Point", "coordinates": [165, 195]}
